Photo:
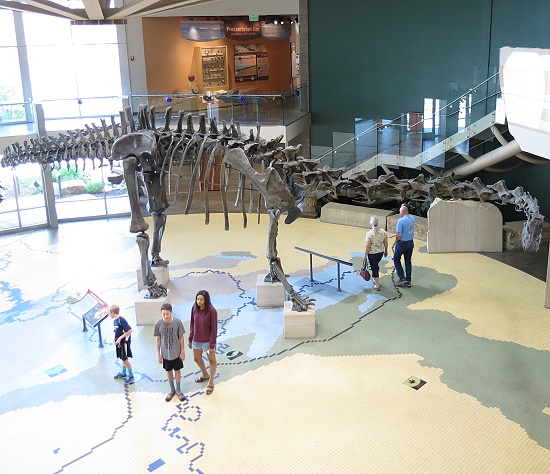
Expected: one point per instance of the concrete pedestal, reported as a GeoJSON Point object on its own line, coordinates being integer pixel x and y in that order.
{"type": "Point", "coordinates": [464, 226]}
{"type": "Point", "coordinates": [162, 274]}
{"type": "Point", "coordinates": [299, 324]}
{"type": "Point", "coordinates": [148, 309]}
{"type": "Point", "coordinates": [269, 295]}
{"type": "Point", "coordinates": [347, 214]}
{"type": "Point", "coordinates": [420, 227]}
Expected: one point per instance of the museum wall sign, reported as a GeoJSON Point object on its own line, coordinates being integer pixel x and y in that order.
{"type": "Point", "coordinates": [242, 29]}
{"type": "Point", "coordinates": [202, 31]}
{"type": "Point", "coordinates": [236, 29]}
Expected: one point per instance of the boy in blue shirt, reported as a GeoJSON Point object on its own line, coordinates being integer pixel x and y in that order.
{"type": "Point", "coordinates": [122, 342]}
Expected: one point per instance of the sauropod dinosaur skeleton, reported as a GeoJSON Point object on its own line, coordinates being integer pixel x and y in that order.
{"type": "Point", "coordinates": [144, 148]}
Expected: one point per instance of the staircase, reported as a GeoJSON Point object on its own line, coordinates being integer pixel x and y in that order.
{"type": "Point", "coordinates": [426, 158]}
{"type": "Point", "coordinates": [422, 140]}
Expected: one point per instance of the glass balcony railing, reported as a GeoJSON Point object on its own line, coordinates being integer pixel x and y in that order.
{"type": "Point", "coordinates": [409, 140]}
{"type": "Point", "coordinates": [281, 109]}
{"type": "Point", "coordinates": [247, 109]}
{"type": "Point", "coordinates": [16, 112]}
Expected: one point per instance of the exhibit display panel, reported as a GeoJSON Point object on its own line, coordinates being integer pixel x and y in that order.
{"type": "Point", "coordinates": [211, 67]}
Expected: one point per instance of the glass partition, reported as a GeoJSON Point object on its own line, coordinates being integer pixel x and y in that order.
{"type": "Point", "coordinates": [403, 141]}
{"type": "Point", "coordinates": [76, 113]}
{"type": "Point", "coordinates": [343, 150]}
{"type": "Point", "coordinates": [247, 109]}
{"type": "Point", "coordinates": [23, 202]}
{"type": "Point", "coordinates": [83, 190]}
{"type": "Point", "coordinates": [12, 108]}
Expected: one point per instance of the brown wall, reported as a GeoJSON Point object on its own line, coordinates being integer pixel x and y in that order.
{"type": "Point", "coordinates": [169, 59]}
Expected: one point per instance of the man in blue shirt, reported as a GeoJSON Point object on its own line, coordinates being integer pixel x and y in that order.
{"type": "Point", "coordinates": [404, 245]}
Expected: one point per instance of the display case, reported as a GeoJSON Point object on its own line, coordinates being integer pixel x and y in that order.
{"type": "Point", "coordinates": [211, 67]}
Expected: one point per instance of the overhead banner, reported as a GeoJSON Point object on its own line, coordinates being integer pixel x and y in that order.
{"type": "Point", "coordinates": [276, 32]}
{"type": "Point", "coordinates": [202, 31]}
{"type": "Point", "coordinates": [242, 29]}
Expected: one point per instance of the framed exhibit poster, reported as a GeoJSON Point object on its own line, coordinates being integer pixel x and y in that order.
{"type": "Point", "coordinates": [262, 65]}
{"type": "Point", "coordinates": [251, 62]}
{"type": "Point", "coordinates": [245, 67]}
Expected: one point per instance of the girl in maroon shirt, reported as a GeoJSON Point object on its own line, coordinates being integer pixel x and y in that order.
{"type": "Point", "coordinates": [203, 333]}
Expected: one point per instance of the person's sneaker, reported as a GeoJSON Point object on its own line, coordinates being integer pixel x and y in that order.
{"type": "Point", "coordinates": [408, 284]}
{"type": "Point", "coordinates": [376, 288]}
{"type": "Point", "coordinates": [120, 375]}
{"type": "Point", "coordinates": [401, 282]}
{"type": "Point", "coordinates": [129, 379]}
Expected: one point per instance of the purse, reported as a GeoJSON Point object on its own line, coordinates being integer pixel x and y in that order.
{"type": "Point", "coordinates": [364, 272]}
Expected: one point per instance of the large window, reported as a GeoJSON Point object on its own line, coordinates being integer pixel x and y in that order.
{"type": "Point", "coordinates": [71, 64]}
{"type": "Point", "coordinates": [11, 90]}
{"type": "Point", "coordinates": [23, 204]}
{"type": "Point", "coordinates": [74, 72]}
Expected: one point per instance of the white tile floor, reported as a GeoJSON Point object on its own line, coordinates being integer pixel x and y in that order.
{"type": "Point", "coordinates": [472, 328]}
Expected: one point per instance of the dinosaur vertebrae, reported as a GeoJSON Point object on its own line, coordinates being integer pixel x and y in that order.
{"type": "Point", "coordinates": [96, 142]}
{"type": "Point", "coordinates": [360, 188]}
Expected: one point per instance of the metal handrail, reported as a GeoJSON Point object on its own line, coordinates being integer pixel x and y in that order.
{"type": "Point", "coordinates": [334, 259]}
{"type": "Point", "coordinates": [376, 126]}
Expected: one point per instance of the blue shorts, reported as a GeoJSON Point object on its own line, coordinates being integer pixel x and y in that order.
{"type": "Point", "coordinates": [203, 346]}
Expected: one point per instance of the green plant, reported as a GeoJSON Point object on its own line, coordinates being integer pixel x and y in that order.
{"type": "Point", "coordinates": [94, 188]}
{"type": "Point", "coordinates": [68, 174]}
{"type": "Point", "coordinates": [29, 182]}
{"type": "Point", "coordinates": [424, 207]}
{"type": "Point", "coordinates": [419, 208]}
{"type": "Point", "coordinates": [10, 113]}
{"type": "Point", "coordinates": [32, 185]}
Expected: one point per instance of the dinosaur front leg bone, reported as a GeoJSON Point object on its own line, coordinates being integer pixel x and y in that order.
{"type": "Point", "coordinates": [159, 224]}
{"type": "Point", "coordinates": [224, 180]}
{"type": "Point", "coordinates": [147, 276]}
{"type": "Point", "coordinates": [137, 223]}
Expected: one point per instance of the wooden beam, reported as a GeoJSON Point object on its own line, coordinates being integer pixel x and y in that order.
{"type": "Point", "coordinates": [93, 9]}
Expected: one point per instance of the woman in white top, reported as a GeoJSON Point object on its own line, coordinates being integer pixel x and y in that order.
{"type": "Point", "coordinates": [377, 246]}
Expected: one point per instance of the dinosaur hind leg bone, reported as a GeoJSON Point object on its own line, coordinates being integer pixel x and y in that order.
{"type": "Point", "coordinates": [278, 199]}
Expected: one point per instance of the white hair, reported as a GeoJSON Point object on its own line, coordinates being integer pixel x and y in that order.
{"type": "Point", "coordinates": [374, 221]}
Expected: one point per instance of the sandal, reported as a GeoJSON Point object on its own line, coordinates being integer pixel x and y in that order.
{"type": "Point", "coordinates": [181, 396]}
{"type": "Point", "coordinates": [169, 396]}
{"type": "Point", "coordinates": [209, 389]}
{"type": "Point", "coordinates": [201, 379]}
